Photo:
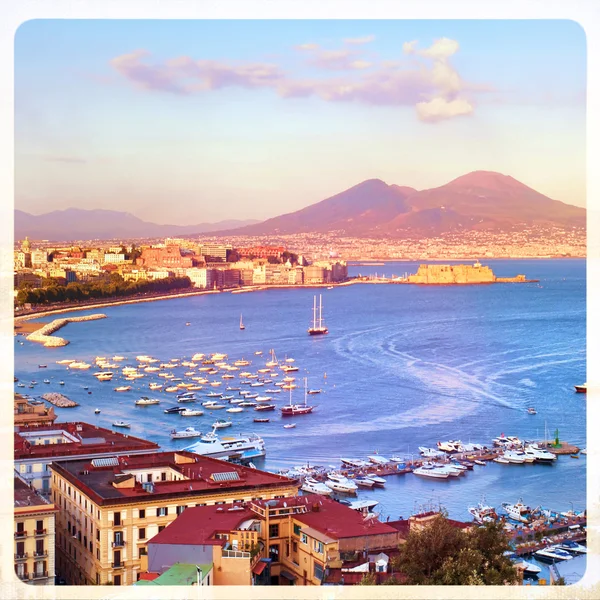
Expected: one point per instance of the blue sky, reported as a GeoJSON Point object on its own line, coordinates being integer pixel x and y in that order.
{"type": "Point", "coordinates": [191, 121]}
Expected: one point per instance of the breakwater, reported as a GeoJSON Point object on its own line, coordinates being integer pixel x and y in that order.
{"type": "Point", "coordinates": [44, 335]}
{"type": "Point", "coordinates": [59, 400]}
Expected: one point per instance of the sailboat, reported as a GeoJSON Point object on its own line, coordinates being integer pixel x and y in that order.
{"type": "Point", "coordinates": [242, 326]}
{"type": "Point", "coordinates": [296, 409]}
{"type": "Point", "coordinates": [317, 326]}
{"type": "Point", "coordinates": [273, 362]}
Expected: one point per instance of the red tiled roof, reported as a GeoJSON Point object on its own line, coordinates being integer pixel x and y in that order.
{"type": "Point", "coordinates": [198, 525]}
{"type": "Point", "coordinates": [27, 497]}
{"type": "Point", "coordinates": [403, 526]}
{"type": "Point", "coordinates": [149, 576]}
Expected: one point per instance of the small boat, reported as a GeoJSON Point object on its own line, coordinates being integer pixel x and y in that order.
{"type": "Point", "coordinates": [574, 456]}
{"type": "Point", "coordinates": [242, 326]}
{"type": "Point", "coordinates": [532, 411]}
{"type": "Point", "coordinates": [289, 426]}
{"type": "Point", "coordinates": [46, 381]}
{"type": "Point", "coordinates": [42, 366]}
{"type": "Point", "coordinates": [189, 412]}
{"type": "Point", "coordinates": [188, 432]}
{"type": "Point", "coordinates": [21, 385]}
{"type": "Point", "coordinates": [61, 383]}
{"type": "Point", "coordinates": [552, 554]}
{"type": "Point", "coordinates": [222, 423]}
{"type": "Point", "coordinates": [528, 568]}
{"type": "Point", "coordinates": [314, 391]}
{"type": "Point", "coordinates": [518, 511]}
{"type": "Point", "coordinates": [264, 407]}
{"type": "Point", "coordinates": [429, 470]}
{"type": "Point", "coordinates": [571, 546]}
{"type": "Point", "coordinates": [514, 457]}
{"type": "Point", "coordinates": [481, 463]}
{"type": "Point", "coordinates": [188, 323]}
{"type": "Point", "coordinates": [355, 463]}
{"type": "Point", "coordinates": [121, 424]}
{"type": "Point", "coordinates": [258, 352]}
{"type": "Point", "coordinates": [482, 513]}
{"type": "Point", "coordinates": [502, 460]}
{"type": "Point", "coordinates": [213, 395]}
{"type": "Point", "coordinates": [97, 411]}
{"type": "Point", "coordinates": [581, 389]}
{"type": "Point", "coordinates": [173, 410]}
{"type": "Point", "coordinates": [378, 481]}
{"type": "Point", "coordinates": [145, 401]}
{"type": "Point", "coordinates": [235, 409]}
{"type": "Point", "coordinates": [123, 388]}
{"type": "Point", "coordinates": [364, 482]}
{"type": "Point", "coordinates": [261, 420]}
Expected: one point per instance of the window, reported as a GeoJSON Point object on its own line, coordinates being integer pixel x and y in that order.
{"type": "Point", "coordinates": [20, 548]}
{"type": "Point", "coordinates": [160, 528]}
{"type": "Point", "coordinates": [296, 529]}
{"type": "Point", "coordinates": [163, 476]}
{"type": "Point", "coordinates": [85, 540]}
{"type": "Point", "coordinates": [117, 518]}
{"type": "Point", "coordinates": [39, 547]}
{"type": "Point", "coordinates": [303, 538]}
{"type": "Point", "coordinates": [98, 553]}
{"type": "Point", "coordinates": [149, 477]}
{"type": "Point", "coordinates": [97, 535]}
{"type": "Point", "coordinates": [28, 470]}
{"type": "Point", "coordinates": [143, 551]}
{"type": "Point", "coordinates": [142, 533]}
{"type": "Point", "coordinates": [318, 547]}
{"type": "Point", "coordinates": [117, 580]}
{"type": "Point", "coordinates": [274, 552]}
{"type": "Point", "coordinates": [318, 571]}
{"type": "Point", "coordinates": [20, 526]}
{"type": "Point", "coordinates": [274, 530]}
{"type": "Point", "coordinates": [142, 513]}
{"type": "Point", "coordinates": [162, 511]}
{"type": "Point", "coordinates": [91, 547]}
{"type": "Point", "coordinates": [295, 546]}
{"type": "Point", "coordinates": [180, 509]}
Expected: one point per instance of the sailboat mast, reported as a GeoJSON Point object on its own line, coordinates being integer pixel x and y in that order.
{"type": "Point", "coordinates": [320, 311]}
{"type": "Point", "coordinates": [314, 311]}
{"type": "Point", "coordinates": [305, 391]}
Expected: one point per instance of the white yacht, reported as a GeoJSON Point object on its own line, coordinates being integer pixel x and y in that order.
{"type": "Point", "coordinates": [528, 567]}
{"type": "Point", "coordinates": [450, 446]}
{"type": "Point", "coordinates": [573, 547]}
{"type": "Point", "coordinates": [378, 460]}
{"type": "Point", "coordinates": [428, 470]}
{"type": "Point", "coordinates": [430, 452]}
{"type": "Point", "coordinates": [539, 454]}
{"type": "Point", "coordinates": [191, 412]}
{"type": "Point", "coordinates": [354, 462]}
{"type": "Point", "coordinates": [241, 446]}
{"type": "Point", "coordinates": [377, 481]}
{"type": "Point", "coordinates": [513, 457]}
{"type": "Point", "coordinates": [144, 401]}
{"type": "Point", "coordinates": [188, 432]}
{"type": "Point", "coordinates": [518, 511]}
{"type": "Point", "coordinates": [316, 487]}
{"type": "Point", "coordinates": [510, 441]}
{"type": "Point", "coordinates": [155, 386]}
{"type": "Point", "coordinates": [552, 554]}
{"type": "Point", "coordinates": [339, 483]}
{"type": "Point", "coordinates": [482, 513]}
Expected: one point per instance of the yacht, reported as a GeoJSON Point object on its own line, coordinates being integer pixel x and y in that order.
{"type": "Point", "coordinates": [539, 454]}
{"type": "Point", "coordinates": [314, 391]}
{"type": "Point", "coordinates": [145, 401]}
{"type": "Point", "coordinates": [552, 554]}
{"type": "Point", "coordinates": [213, 395]}
{"type": "Point", "coordinates": [364, 482]}
{"type": "Point", "coordinates": [378, 460]}
{"type": "Point", "coordinates": [191, 412]}
{"type": "Point", "coordinates": [104, 375]}
{"type": "Point", "coordinates": [528, 568]}
{"type": "Point", "coordinates": [222, 423]}
{"type": "Point", "coordinates": [290, 426]}
{"type": "Point", "coordinates": [235, 409]}
{"type": "Point", "coordinates": [430, 452]}
{"type": "Point", "coordinates": [513, 457]}
{"type": "Point", "coordinates": [509, 441]}
{"type": "Point", "coordinates": [316, 487]}
{"type": "Point", "coordinates": [240, 446]}
{"type": "Point", "coordinates": [355, 463]}
{"type": "Point", "coordinates": [265, 407]}
{"type": "Point", "coordinates": [261, 420]}
{"type": "Point", "coordinates": [428, 470]}
{"type": "Point", "coordinates": [339, 483]}
{"type": "Point", "coordinates": [482, 513]}
{"type": "Point", "coordinates": [173, 410]}
{"type": "Point", "coordinates": [450, 446]}
{"type": "Point", "coordinates": [188, 432]}
{"type": "Point", "coordinates": [571, 546]}
{"type": "Point", "coordinates": [123, 388]}
{"type": "Point", "coordinates": [377, 481]}
{"type": "Point", "coordinates": [518, 511]}
{"type": "Point", "coordinates": [292, 410]}
{"type": "Point", "coordinates": [317, 327]}
{"type": "Point", "coordinates": [502, 460]}
{"type": "Point", "coordinates": [155, 386]}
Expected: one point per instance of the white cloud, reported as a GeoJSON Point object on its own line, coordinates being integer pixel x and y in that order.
{"type": "Point", "coordinates": [360, 64]}
{"type": "Point", "coordinates": [309, 46]}
{"type": "Point", "coordinates": [409, 47]}
{"type": "Point", "coordinates": [439, 109]}
{"type": "Point", "coordinates": [361, 40]}
{"type": "Point", "coordinates": [441, 49]}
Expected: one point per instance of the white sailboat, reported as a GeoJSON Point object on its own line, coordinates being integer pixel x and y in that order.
{"type": "Point", "coordinates": [317, 325]}
{"type": "Point", "coordinates": [242, 326]}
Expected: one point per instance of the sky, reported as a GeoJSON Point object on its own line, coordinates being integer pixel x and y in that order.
{"type": "Point", "coordinates": [185, 122]}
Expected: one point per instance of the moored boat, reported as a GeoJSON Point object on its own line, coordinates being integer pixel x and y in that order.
{"type": "Point", "coordinates": [188, 432]}
{"type": "Point", "coordinates": [552, 554]}
{"type": "Point", "coordinates": [121, 424]}
{"type": "Point", "coordinates": [191, 412]}
{"type": "Point", "coordinates": [339, 483]}
{"type": "Point", "coordinates": [313, 486]}
{"type": "Point", "coordinates": [144, 401]}
{"type": "Point", "coordinates": [581, 389]}
{"type": "Point", "coordinates": [318, 327]}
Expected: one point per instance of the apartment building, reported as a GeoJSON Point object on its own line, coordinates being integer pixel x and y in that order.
{"type": "Point", "coordinates": [109, 508]}
{"type": "Point", "coordinates": [34, 527]}
{"type": "Point", "coordinates": [31, 415]}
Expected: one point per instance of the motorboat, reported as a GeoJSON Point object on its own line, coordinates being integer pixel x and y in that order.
{"type": "Point", "coordinates": [531, 411]}
{"type": "Point", "coordinates": [273, 391]}
{"type": "Point", "coordinates": [261, 420]}
{"type": "Point", "coordinates": [430, 452]}
{"type": "Point", "coordinates": [264, 407]}
{"type": "Point", "coordinates": [450, 446]}
{"type": "Point", "coordinates": [214, 395]}
{"type": "Point", "coordinates": [481, 463]}
{"type": "Point", "coordinates": [235, 409]}
{"type": "Point", "coordinates": [482, 513]}
{"type": "Point", "coordinates": [397, 459]}
{"type": "Point", "coordinates": [42, 366]}
{"type": "Point", "coordinates": [355, 463]}
{"type": "Point", "coordinates": [513, 457]}
{"type": "Point", "coordinates": [378, 460]}
{"type": "Point", "coordinates": [222, 423]}
{"type": "Point", "coordinates": [191, 412]}
{"type": "Point", "coordinates": [263, 398]}
{"type": "Point", "coordinates": [123, 388]}
{"type": "Point", "coordinates": [539, 454]}
{"type": "Point", "coordinates": [314, 391]}
{"type": "Point", "coordinates": [552, 554]}
{"type": "Point", "coordinates": [581, 389]}
{"type": "Point", "coordinates": [186, 399]}
{"type": "Point", "coordinates": [61, 383]}
{"type": "Point", "coordinates": [573, 547]}
{"type": "Point", "coordinates": [104, 375]}
{"type": "Point", "coordinates": [528, 568]}
{"type": "Point", "coordinates": [518, 511]}
{"type": "Point", "coordinates": [502, 460]}
{"type": "Point", "coordinates": [453, 469]}
{"type": "Point", "coordinates": [246, 446]}
{"type": "Point", "coordinates": [46, 381]}
{"type": "Point", "coordinates": [339, 483]}
{"type": "Point", "coordinates": [313, 486]}
{"type": "Point", "coordinates": [188, 432]}
{"type": "Point", "coordinates": [173, 410]}
{"type": "Point", "coordinates": [121, 424]}
{"type": "Point", "coordinates": [509, 441]}
{"type": "Point", "coordinates": [247, 403]}
{"type": "Point", "coordinates": [144, 401]}
{"type": "Point", "coordinates": [97, 411]}
{"type": "Point", "coordinates": [364, 482]}
{"type": "Point", "coordinates": [118, 358]}
{"type": "Point", "coordinates": [429, 470]}
{"type": "Point", "coordinates": [378, 481]}
{"type": "Point", "coordinates": [290, 426]}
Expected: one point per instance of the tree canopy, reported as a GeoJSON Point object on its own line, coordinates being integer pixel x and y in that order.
{"type": "Point", "coordinates": [442, 554]}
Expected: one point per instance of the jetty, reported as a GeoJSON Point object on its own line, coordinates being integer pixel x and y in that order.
{"type": "Point", "coordinates": [44, 335]}
{"type": "Point", "coordinates": [59, 400]}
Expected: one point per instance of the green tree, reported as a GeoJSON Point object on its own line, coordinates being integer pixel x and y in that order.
{"type": "Point", "coordinates": [368, 579]}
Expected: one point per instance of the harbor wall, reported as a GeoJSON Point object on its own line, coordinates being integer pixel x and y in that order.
{"type": "Point", "coordinates": [44, 335]}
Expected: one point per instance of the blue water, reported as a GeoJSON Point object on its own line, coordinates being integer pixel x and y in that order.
{"type": "Point", "coordinates": [403, 366]}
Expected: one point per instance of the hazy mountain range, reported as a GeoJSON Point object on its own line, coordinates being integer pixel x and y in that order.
{"type": "Point", "coordinates": [482, 200]}
{"type": "Point", "coordinates": [79, 224]}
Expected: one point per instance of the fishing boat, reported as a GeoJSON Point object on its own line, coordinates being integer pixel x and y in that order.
{"type": "Point", "coordinates": [122, 388]}
{"type": "Point", "coordinates": [121, 424]}
{"type": "Point", "coordinates": [581, 389]}
{"type": "Point", "coordinates": [261, 420]}
{"type": "Point", "coordinates": [244, 446]}
{"type": "Point", "coordinates": [191, 412]}
{"type": "Point", "coordinates": [145, 401]}
{"type": "Point", "coordinates": [518, 511]}
{"type": "Point", "coordinates": [552, 554]}
{"type": "Point", "coordinates": [242, 326]}
{"type": "Point", "coordinates": [290, 426]}
{"type": "Point", "coordinates": [97, 411]}
{"type": "Point", "coordinates": [317, 327]}
{"type": "Point", "coordinates": [173, 410]}
{"type": "Point", "coordinates": [482, 513]}
{"type": "Point", "coordinates": [339, 483]}
{"type": "Point", "coordinates": [296, 409]}
{"type": "Point", "coordinates": [313, 486]}
{"type": "Point", "coordinates": [188, 432]}
{"type": "Point", "coordinates": [222, 423]}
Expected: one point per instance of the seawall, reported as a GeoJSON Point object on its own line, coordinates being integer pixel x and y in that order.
{"type": "Point", "coordinates": [44, 335]}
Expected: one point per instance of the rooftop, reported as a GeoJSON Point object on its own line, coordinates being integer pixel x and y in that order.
{"type": "Point", "coordinates": [178, 574]}
{"type": "Point", "coordinates": [186, 474]}
{"type": "Point", "coordinates": [199, 525]}
{"type": "Point", "coordinates": [77, 439]}
{"type": "Point", "coordinates": [26, 497]}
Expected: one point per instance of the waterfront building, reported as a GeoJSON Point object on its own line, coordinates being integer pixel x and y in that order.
{"type": "Point", "coordinates": [29, 415]}
{"type": "Point", "coordinates": [200, 278]}
{"type": "Point", "coordinates": [215, 252]}
{"type": "Point", "coordinates": [227, 539]}
{"type": "Point", "coordinates": [166, 257]}
{"type": "Point", "coordinates": [261, 251]}
{"type": "Point", "coordinates": [449, 274]}
{"type": "Point", "coordinates": [38, 443]}
{"type": "Point", "coordinates": [296, 276]}
{"type": "Point", "coordinates": [109, 508]}
{"type": "Point", "coordinates": [34, 534]}
{"type": "Point", "coordinates": [159, 274]}
{"type": "Point", "coordinates": [22, 277]}
{"type": "Point", "coordinates": [315, 274]}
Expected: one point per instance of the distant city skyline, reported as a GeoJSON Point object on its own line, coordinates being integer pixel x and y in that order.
{"type": "Point", "coordinates": [182, 122]}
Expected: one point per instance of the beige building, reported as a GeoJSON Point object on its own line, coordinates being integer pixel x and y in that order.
{"type": "Point", "coordinates": [452, 274]}
{"type": "Point", "coordinates": [34, 527]}
{"type": "Point", "coordinates": [109, 508]}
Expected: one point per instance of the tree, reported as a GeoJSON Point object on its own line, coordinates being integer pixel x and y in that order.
{"type": "Point", "coordinates": [442, 554]}
{"type": "Point", "coordinates": [368, 579]}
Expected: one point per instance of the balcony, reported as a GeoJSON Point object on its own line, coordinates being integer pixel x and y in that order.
{"type": "Point", "coordinates": [39, 532]}
{"type": "Point", "coordinates": [118, 543]}
{"type": "Point", "coordinates": [20, 534]}
{"type": "Point", "coordinates": [23, 576]}
{"type": "Point", "coordinates": [40, 575]}
{"type": "Point", "coordinates": [236, 554]}
{"type": "Point", "coordinates": [117, 565]}
{"type": "Point", "coordinates": [40, 554]}
{"type": "Point", "coordinates": [21, 556]}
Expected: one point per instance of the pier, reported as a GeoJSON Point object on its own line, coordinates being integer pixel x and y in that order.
{"type": "Point", "coordinates": [59, 400]}
{"type": "Point", "coordinates": [44, 335]}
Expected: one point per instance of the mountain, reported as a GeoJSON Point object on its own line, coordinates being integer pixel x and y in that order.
{"type": "Point", "coordinates": [364, 206]}
{"type": "Point", "coordinates": [79, 224]}
{"type": "Point", "coordinates": [478, 200]}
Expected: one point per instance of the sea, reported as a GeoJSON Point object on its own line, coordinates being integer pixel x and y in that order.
{"type": "Point", "coordinates": [403, 366]}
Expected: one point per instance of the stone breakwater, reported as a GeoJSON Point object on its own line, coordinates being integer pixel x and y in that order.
{"type": "Point", "coordinates": [44, 335]}
{"type": "Point", "coordinates": [59, 400]}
